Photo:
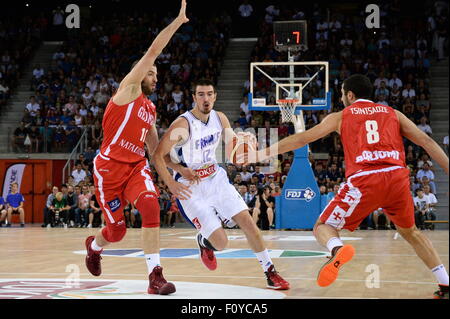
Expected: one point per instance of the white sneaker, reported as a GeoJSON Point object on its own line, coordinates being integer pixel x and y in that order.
{"type": "Point", "coordinates": [72, 224]}
{"type": "Point", "coordinates": [89, 226]}
{"type": "Point", "coordinates": [49, 226]}
{"type": "Point", "coordinates": [65, 226]}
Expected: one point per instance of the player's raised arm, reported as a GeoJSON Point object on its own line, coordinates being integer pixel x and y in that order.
{"type": "Point", "coordinates": [131, 84]}
{"type": "Point", "coordinates": [329, 124]}
{"type": "Point", "coordinates": [414, 134]}
{"type": "Point", "coordinates": [177, 132]}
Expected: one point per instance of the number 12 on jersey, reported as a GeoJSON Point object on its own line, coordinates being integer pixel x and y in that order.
{"type": "Point", "coordinates": [372, 132]}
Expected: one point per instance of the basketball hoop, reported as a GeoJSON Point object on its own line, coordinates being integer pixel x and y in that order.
{"type": "Point", "coordinates": [287, 109]}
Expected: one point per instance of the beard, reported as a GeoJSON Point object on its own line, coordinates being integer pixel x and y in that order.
{"type": "Point", "coordinates": [147, 90]}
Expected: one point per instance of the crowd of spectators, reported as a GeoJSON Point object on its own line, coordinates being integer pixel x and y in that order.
{"type": "Point", "coordinates": [88, 67]}
{"type": "Point", "coordinates": [19, 39]}
{"type": "Point", "coordinates": [86, 70]}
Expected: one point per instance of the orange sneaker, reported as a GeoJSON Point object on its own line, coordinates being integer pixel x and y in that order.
{"type": "Point", "coordinates": [329, 272]}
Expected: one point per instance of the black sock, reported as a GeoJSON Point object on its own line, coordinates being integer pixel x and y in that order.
{"type": "Point", "coordinates": [206, 244]}
{"type": "Point", "coordinates": [443, 288]}
{"type": "Point", "coordinates": [335, 249]}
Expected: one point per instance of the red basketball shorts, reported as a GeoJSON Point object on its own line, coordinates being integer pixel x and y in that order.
{"type": "Point", "coordinates": [365, 192]}
{"type": "Point", "coordinates": [117, 182]}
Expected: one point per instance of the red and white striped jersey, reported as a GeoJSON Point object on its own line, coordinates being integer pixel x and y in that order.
{"type": "Point", "coordinates": [125, 128]}
{"type": "Point", "coordinates": [371, 137]}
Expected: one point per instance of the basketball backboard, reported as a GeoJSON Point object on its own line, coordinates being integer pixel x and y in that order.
{"type": "Point", "coordinates": [307, 82]}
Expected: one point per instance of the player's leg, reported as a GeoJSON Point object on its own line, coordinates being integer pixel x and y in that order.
{"type": "Point", "coordinates": [231, 206]}
{"type": "Point", "coordinates": [256, 243]}
{"type": "Point", "coordinates": [399, 205]}
{"type": "Point", "coordinates": [141, 191]}
{"type": "Point", "coordinates": [109, 193]}
{"type": "Point", "coordinates": [351, 205]}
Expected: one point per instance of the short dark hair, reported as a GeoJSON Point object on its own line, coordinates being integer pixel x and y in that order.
{"type": "Point", "coordinates": [64, 185]}
{"type": "Point", "coordinates": [203, 82]}
{"type": "Point", "coordinates": [360, 85]}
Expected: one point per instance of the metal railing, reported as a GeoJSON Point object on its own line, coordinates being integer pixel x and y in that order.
{"type": "Point", "coordinates": [78, 149]}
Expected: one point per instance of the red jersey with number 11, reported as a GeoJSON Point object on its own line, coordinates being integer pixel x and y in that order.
{"type": "Point", "coordinates": [125, 128]}
{"type": "Point", "coordinates": [371, 137]}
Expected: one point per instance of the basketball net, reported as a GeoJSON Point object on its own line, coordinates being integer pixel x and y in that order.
{"type": "Point", "coordinates": [287, 109]}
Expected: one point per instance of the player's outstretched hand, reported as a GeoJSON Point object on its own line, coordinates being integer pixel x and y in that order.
{"type": "Point", "coordinates": [182, 14]}
{"type": "Point", "coordinates": [190, 175]}
{"type": "Point", "coordinates": [179, 190]}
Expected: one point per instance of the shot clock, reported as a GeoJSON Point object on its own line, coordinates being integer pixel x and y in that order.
{"type": "Point", "coordinates": [290, 35]}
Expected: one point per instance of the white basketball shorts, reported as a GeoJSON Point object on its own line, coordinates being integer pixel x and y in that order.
{"type": "Point", "coordinates": [212, 195]}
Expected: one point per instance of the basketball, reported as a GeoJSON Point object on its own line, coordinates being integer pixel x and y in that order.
{"type": "Point", "coordinates": [241, 145]}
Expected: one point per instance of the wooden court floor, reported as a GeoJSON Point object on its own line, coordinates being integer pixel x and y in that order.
{"type": "Point", "coordinates": [384, 266]}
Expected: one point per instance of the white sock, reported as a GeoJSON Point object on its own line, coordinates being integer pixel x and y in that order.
{"type": "Point", "coordinates": [441, 274]}
{"type": "Point", "coordinates": [96, 247]}
{"type": "Point", "coordinates": [334, 242]}
{"type": "Point", "coordinates": [264, 259]}
{"type": "Point", "coordinates": [152, 261]}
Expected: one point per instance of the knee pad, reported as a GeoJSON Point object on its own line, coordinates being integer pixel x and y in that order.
{"type": "Point", "coordinates": [148, 206]}
{"type": "Point", "coordinates": [114, 232]}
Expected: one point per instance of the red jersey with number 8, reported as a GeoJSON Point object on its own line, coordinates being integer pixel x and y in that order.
{"type": "Point", "coordinates": [371, 137]}
{"type": "Point", "coordinates": [125, 128]}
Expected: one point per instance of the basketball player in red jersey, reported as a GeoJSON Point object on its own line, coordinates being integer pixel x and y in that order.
{"type": "Point", "coordinates": [372, 136]}
{"type": "Point", "coordinates": [121, 171]}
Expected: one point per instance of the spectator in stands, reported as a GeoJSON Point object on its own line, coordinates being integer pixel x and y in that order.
{"type": "Point", "coordinates": [72, 201]}
{"type": "Point", "coordinates": [15, 202]}
{"type": "Point", "coordinates": [59, 211]}
{"type": "Point", "coordinates": [33, 107]}
{"type": "Point", "coordinates": [49, 203]}
{"type": "Point", "coordinates": [2, 210]}
{"type": "Point", "coordinates": [425, 171]}
{"type": "Point", "coordinates": [46, 133]}
{"type": "Point", "coordinates": [264, 208]}
{"type": "Point", "coordinates": [380, 219]}
{"type": "Point", "coordinates": [95, 211]}
{"type": "Point", "coordinates": [35, 139]}
{"type": "Point", "coordinates": [172, 212]}
{"type": "Point", "coordinates": [424, 127]}
{"type": "Point", "coordinates": [333, 175]}
{"type": "Point", "coordinates": [245, 174]}
{"type": "Point", "coordinates": [18, 138]}
{"type": "Point", "coordinates": [84, 200]}
{"type": "Point", "coordinates": [445, 143]}
{"type": "Point", "coordinates": [78, 174]}
{"type": "Point", "coordinates": [432, 202]}
{"type": "Point", "coordinates": [331, 194]}
{"type": "Point", "coordinates": [424, 159]}
{"type": "Point", "coordinates": [421, 204]}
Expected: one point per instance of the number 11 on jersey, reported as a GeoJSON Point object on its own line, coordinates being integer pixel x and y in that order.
{"type": "Point", "coordinates": [144, 134]}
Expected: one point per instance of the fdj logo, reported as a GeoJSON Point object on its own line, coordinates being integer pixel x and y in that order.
{"type": "Point", "coordinates": [300, 194]}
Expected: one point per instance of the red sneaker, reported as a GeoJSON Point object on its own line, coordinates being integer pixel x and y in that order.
{"type": "Point", "coordinates": [158, 285]}
{"type": "Point", "coordinates": [275, 281]}
{"type": "Point", "coordinates": [207, 255]}
{"type": "Point", "coordinates": [93, 258]}
{"type": "Point", "coordinates": [442, 293]}
{"type": "Point", "coordinates": [329, 272]}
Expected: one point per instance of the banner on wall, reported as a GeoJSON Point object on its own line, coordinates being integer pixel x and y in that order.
{"type": "Point", "coordinates": [14, 173]}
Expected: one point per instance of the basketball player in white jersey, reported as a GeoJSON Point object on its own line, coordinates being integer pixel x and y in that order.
{"type": "Point", "coordinates": [195, 136]}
